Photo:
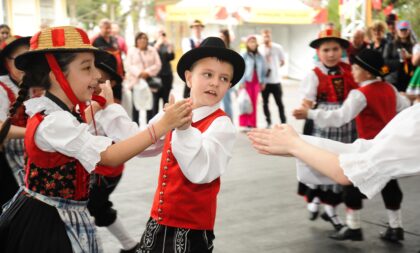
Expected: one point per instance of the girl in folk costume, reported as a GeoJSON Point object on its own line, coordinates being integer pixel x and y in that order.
{"type": "Point", "coordinates": [373, 105]}
{"type": "Point", "coordinates": [326, 87]}
{"type": "Point", "coordinates": [49, 213]}
{"type": "Point", "coordinates": [195, 155]}
{"type": "Point", "coordinates": [11, 154]}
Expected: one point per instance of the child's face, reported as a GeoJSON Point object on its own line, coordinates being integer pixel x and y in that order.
{"type": "Point", "coordinates": [83, 76]}
{"type": "Point", "coordinates": [329, 53]}
{"type": "Point", "coordinates": [209, 80]}
{"type": "Point", "coordinates": [360, 74]}
{"type": "Point", "coordinates": [15, 73]}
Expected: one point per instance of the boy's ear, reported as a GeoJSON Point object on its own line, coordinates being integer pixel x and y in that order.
{"type": "Point", "coordinates": [52, 77]}
{"type": "Point", "coordinates": [188, 77]}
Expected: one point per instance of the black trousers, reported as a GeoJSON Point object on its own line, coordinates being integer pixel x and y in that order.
{"type": "Point", "coordinates": [162, 93]}
{"type": "Point", "coordinates": [276, 90]}
{"type": "Point", "coordinates": [391, 195]}
{"type": "Point", "coordinates": [159, 238]}
{"type": "Point", "coordinates": [8, 184]}
{"type": "Point", "coordinates": [99, 205]}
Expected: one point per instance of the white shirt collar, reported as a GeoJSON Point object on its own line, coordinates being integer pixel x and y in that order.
{"type": "Point", "coordinates": [9, 83]}
{"type": "Point", "coordinates": [204, 111]}
{"type": "Point", "coordinates": [39, 104]}
{"type": "Point", "coordinates": [367, 82]}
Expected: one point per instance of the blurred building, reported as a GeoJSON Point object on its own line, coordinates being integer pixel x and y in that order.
{"type": "Point", "coordinates": [25, 17]}
{"type": "Point", "coordinates": [294, 23]}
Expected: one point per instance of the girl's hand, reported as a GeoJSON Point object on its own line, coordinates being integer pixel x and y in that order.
{"type": "Point", "coordinates": [177, 114]}
{"type": "Point", "coordinates": [280, 140]}
{"type": "Point", "coordinates": [106, 92]}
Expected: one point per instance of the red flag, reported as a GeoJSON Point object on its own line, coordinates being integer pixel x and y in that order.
{"type": "Point", "coordinates": [377, 4]}
{"type": "Point", "coordinates": [388, 9]}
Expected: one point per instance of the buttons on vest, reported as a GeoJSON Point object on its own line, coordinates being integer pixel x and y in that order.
{"type": "Point", "coordinates": [165, 167]}
{"type": "Point", "coordinates": [168, 151]}
{"type": "Point", "coordinates": [161, 193]}
{"type": "Point", "coordinates": [168, 159]}
{"type": "Point", "coordinates": [163, 184]}
{"type": "Point", "coordinates": [159, 210]}
{"type": "Point", "coordinates": [165, 176]}
{"type": "Point", "coordinates": [161, 201]}
{"type": "Point", "coordinates": [160, 218]}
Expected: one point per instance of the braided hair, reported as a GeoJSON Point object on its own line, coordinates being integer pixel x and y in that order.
{"type": "Point", "coordinates": [35, 76]}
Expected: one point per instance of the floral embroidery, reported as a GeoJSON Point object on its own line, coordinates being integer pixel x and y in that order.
{"type": "Point", "coordinates": [59, 181]}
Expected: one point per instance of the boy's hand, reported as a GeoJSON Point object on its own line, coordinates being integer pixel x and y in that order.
{"type": "Point", "coordinates": [301, 113]}
{"type": "Point", "coordinates": [106, 92]}
{"type": "Point", "coordinates": [178, 114]}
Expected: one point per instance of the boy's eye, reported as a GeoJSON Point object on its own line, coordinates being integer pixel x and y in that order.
{"type": "Point", "coordinates": [224, 79]}
{"type": "Point", "coordinates": [207, 74]}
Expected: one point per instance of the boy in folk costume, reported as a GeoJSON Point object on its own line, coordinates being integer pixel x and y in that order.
{"type": "Point", "coordinates": [11, 153]}
{"type": "Point", "coordinates": [372, 105]}
{"type": "Point", "coordinates": [195, 155]}
{"type": "Point", "coordinates": [327, 87]}
{"type": "Point", "coordinates": [49, 214]}
{"type": "Point", "coordinates": [104, 182]}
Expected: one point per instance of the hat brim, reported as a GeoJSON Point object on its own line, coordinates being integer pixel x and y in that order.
{"type": "Point", "coordinates": [114, 75]}
{"type": "Point", "coordinates": [316, 43]}
{"type": "Point", "coordinates": [235, 59]}
{"type": "Point", "coordinates": [201, 25]}
{"type": "Point", "coordinates": [8, 49]}
{"type": "Point", "coordinates": [356, 60]}
{"type": "Point", "coordinates": [23, 60]}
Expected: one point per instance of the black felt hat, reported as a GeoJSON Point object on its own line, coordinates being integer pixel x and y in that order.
{"type": "Point", "coordinates": [212, 47]}
{"type": "Point", "coordinates": [108, 63]}
{"type": "Point", "coordinates": [371, 61]}
{"type": "Point", "coordinates": [8, 46]}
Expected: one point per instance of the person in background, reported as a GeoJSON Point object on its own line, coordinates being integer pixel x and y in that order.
{"type": "Point", "coordinates": [413, 90]}
{"type": "Point", "coordinates": [191, 42]}
{"type": "Point", "coordinates": [357, 44]}
{"type": "Point", "coordinates": [274, 59]}
{"type": "Point", "coordinates": [391, 21]}
{"type": "Point", "coordinates": [227, 102]}
{"type": "Point", "coordinates": [106, 41]}
{"type": "Point", "coordinates": [115, 31]}
{"type": "Point", "coordinates": [379, 41]}
{"type": "Point", "coordinates": [142, 62]}
{"type": "Point", "coordinates": [252, 80]}
{"type": "Point", "coordinates": [166, 53]}
{"type": "Point", "coordinates": [397, 55]}
{"type": "Point", "coordinates": [4, 32]}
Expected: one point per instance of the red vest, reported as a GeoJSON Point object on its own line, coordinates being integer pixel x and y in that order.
{"type": "Point", "coordinates": [51, 173]}
{"type": "Point", "coordinates": [20, 118]}
{"type": "Point", "coordinates": [380, 109]}
{"type": "Point", "coordinates": [178, 202]}
{"type": "Point", "coordinates": [330, 92]}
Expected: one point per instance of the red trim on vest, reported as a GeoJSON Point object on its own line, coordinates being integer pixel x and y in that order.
{"type": "Point", "coordinates": [58, 37]}
{"type": "Point", "coordinates": [326, 91]}
{"type": "Point", "coordinates": [20, 118]}
{"type": "Point", "coordinates": [380, 109]}
{"type": "Point", "coordinates": [46, 160]}
{"type": "Point", "coordinates": [178, 202]}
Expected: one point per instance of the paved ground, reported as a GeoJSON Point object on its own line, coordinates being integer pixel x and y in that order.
{"type": "Point", "coordinates": [258, 210]}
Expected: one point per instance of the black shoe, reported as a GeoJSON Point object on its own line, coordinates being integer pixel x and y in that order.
{"type": "Point", "coordinates": [347, 233]}
{"type": "Point", "coordinates": [133, 250]}
{"type": "Point", "coordinates": [327, 218]}
{"type": "Point", "coordinates": [313, 215]}
{"type": "Point", "coordinates": [392, 234]}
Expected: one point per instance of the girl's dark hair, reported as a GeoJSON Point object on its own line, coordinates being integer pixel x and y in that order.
{"type": "Point", "coordinates": [35, 76]}
{"type": "Point", "coordinates": [226, 34]}
{"type": "Point", "coordinates": [138, 36]}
